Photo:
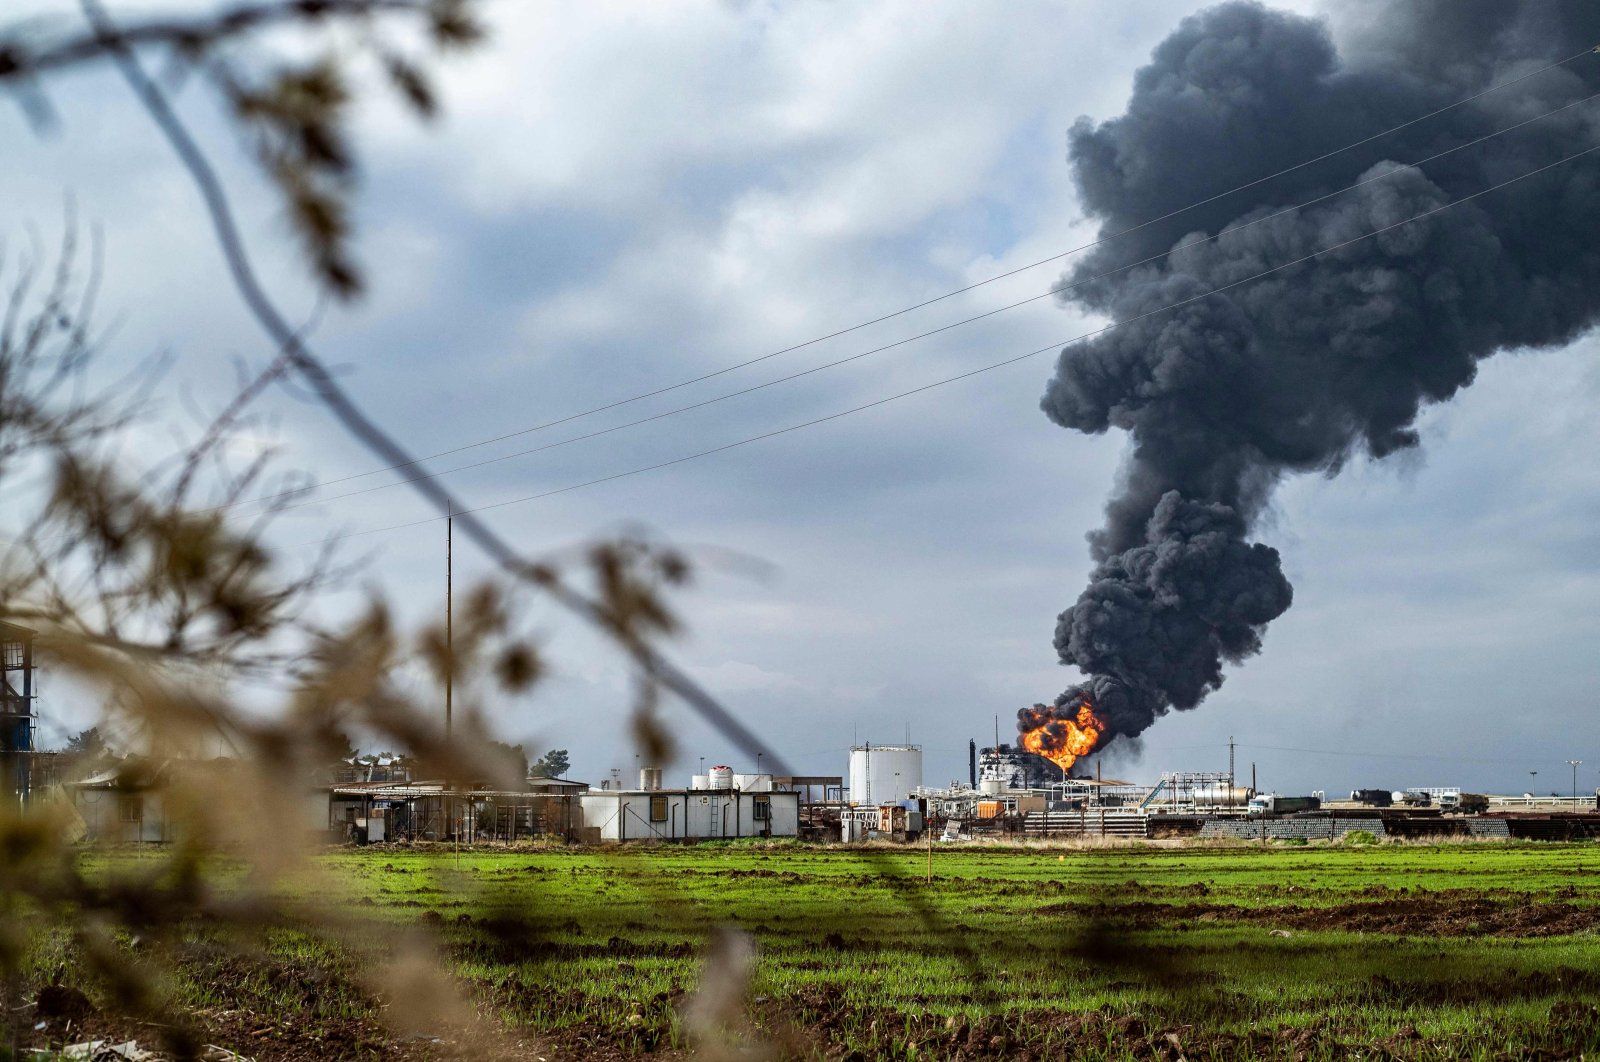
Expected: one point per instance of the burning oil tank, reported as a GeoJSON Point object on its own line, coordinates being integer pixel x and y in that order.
{"type": "Point", "coordinates": [1005, 767]}
{"type": "Point", "coordinates": [884, 774]}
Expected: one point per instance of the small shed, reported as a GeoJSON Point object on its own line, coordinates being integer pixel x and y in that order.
{"type": "Point", "coordinates": [122, 806]}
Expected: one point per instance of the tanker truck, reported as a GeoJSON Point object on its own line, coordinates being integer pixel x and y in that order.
{"type": "Point", "coordinates": [1273, 804]}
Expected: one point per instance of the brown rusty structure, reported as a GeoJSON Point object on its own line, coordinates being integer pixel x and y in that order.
{"type": "Point", "coordinates": [16, 711]}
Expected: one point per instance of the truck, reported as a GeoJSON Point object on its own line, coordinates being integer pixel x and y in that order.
{"type": "Point", "coordinates": [1377, 798]}
{"type": "Point", "coordinates": [1273, 804]}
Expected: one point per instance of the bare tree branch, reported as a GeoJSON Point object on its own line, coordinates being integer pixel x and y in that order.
{"type": "Point", "coordinates": [312, 371]}
{"type": "Point", "coordinates": [194, 36]}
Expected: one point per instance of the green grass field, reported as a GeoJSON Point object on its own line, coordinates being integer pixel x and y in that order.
{"type": "Point", "coordinates": [1455, 951]}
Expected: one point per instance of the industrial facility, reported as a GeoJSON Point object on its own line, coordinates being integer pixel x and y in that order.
{"type": "Point", "coordinates": [1004, 798]}
{"type": "Point", "coordinates": [1010, 792]}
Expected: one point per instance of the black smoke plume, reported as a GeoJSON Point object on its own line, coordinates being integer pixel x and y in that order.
{"type": "Point", "coordinates": [1307, 368]}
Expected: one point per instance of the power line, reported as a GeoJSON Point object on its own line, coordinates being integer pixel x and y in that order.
{"type": "Point", "coordinates": [949, 294]}
{"type": "Point", "coordinates": [1498, 761]}
{"type": "Point", "coordinates": [336, 400]}
{"type": "Point", "coordinates": [972, 372]}
{"type": "Point", "coordinates": [902, 342]}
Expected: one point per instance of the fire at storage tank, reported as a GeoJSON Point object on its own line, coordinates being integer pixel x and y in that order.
{"type": "Point", "coordinates": [1062, 734]}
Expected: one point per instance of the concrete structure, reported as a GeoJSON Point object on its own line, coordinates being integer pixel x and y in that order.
{"type": "Point", "coordinates": [884, 774]}
{"type": "Point", "coordinates": [691, 814]}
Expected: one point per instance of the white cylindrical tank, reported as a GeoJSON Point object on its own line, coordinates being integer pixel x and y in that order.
{"type": "Point", "coordinates": [991, 787]}
{"type": "Point", "coordinates": [1221, 795]}
{"type": "Point", "coordinates": [720, 777]}
{"type": "Point", "coordinates": [884, 774]}
{"type": "Point", "coordinates": [650, 778]}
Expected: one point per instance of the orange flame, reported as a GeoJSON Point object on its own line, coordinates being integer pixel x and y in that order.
{"type": "Point", "coordinates": [1062, 741]}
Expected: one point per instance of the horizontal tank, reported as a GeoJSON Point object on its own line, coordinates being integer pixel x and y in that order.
{"type": "Point", "coordinates": [1221, 796]}
{"type": "Point", "coordinates": [884, 774]}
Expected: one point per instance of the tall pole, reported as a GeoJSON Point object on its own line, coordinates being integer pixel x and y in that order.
{"type": "Point", "coordinates": [450, 654]}
{"type": "Point", "coordinates": [449, 619]}
{"type": "Point", "coordinates": [1230, 761]}
{"type": "Point", "coordinates": [1575, 764]}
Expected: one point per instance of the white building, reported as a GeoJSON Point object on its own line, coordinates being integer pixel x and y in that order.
{"type": "Point", "coordinates": [693, 814]}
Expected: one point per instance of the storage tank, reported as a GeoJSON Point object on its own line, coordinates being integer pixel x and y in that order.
{"type": "Point", "coordinates": [720, 777]}
{"type": "Point", "coordinates": [650, 778]}
{"type": "Point", "coordinates": [884, 774]}
{"type": "Point", "coordinates": [1221, 796]}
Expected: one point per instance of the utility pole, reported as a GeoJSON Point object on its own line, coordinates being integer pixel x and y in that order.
{"type": "Point", "coordinates": [1230, 761]}
{"type": "Point", "coordinates": [1575, 764]}
{"type": "Point", "coordinates": [450, 661]}
{"type": "Point", "coordinates": [449, 619]}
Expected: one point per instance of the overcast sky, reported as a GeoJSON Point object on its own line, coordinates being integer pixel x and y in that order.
{"type": "Point", "coordinates": [620, 196]}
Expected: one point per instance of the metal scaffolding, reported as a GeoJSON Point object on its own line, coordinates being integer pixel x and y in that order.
{"type": "Point", "coordinates": [16, 710]}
